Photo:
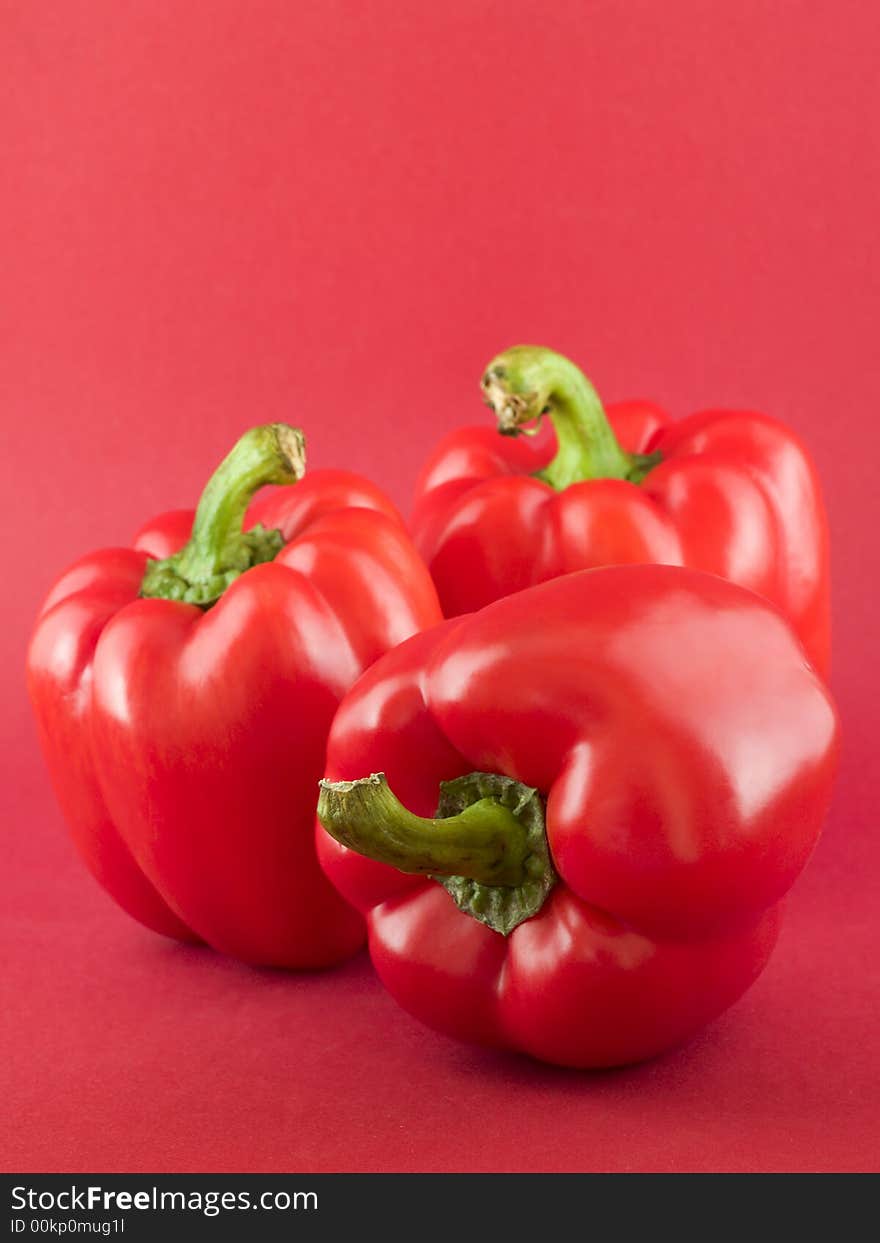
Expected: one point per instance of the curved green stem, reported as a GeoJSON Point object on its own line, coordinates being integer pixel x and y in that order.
{"type": "Point", "coordinates": [527, 382]}
{"type": "Point", "coordinates": [487, 845]}
{"type": "Point", "coordinates": [485, 842]}
{"type": "Point", "coordinates": [219, 550]}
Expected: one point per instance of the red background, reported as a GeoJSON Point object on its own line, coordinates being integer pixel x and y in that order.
{"type": "Point", "coordinates": [219, 213]}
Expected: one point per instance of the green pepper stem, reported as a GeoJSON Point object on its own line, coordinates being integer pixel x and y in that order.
{"type": "Point", "coordinates": [527, 382]}
{"type": "Point", "coordinates": [219, 550]}
{"type": "Point", "coordinates": [485, 842]}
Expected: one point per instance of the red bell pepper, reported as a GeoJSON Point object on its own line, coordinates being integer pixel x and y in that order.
{"type": "Point", "coordinates": [570, 818]}
{"type": "Point", "coordinates": [730, 492]}
{"type": "Point", "coordinates": [183, 690]}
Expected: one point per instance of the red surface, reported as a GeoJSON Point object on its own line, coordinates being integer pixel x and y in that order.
{"type": "Point", "coordinates": [219, 213]}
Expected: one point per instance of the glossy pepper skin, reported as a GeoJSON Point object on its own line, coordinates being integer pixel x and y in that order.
{"type": "Point", "coordinates": [682, 750]}
{"type": "Point", "coordinates": [185, 739]}
{"type": "Point", "coordinates": [730, 492]}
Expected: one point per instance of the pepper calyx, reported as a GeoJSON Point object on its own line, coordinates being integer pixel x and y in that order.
{"type": "Point", "coordinates": [487, 845]}
{"type": "Point", "coordinates": [219, 551]}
